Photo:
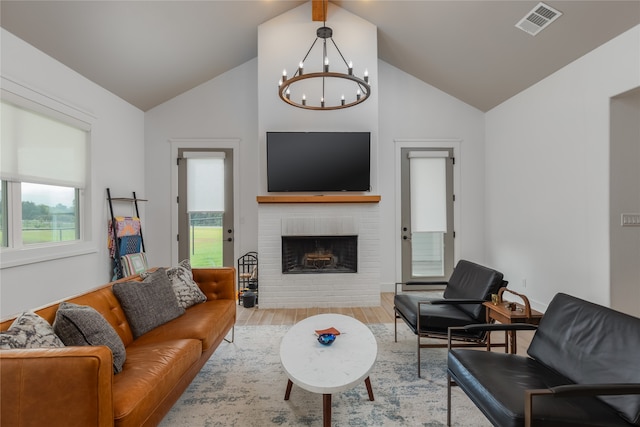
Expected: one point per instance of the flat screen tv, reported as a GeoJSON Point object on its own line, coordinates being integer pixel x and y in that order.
{"type": "Point", "coordinates": [318, 161]}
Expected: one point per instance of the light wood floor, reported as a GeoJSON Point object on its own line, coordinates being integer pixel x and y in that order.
{"type": "Point", "coordinates": [382, 314]}
{"type": "Point", "coordinates": [291, 316]}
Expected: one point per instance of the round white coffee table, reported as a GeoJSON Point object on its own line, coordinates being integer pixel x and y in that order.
{"type": "Point", "coordinates": [328, 369]}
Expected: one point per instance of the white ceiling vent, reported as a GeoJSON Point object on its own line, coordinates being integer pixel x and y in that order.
{"type": "Point", "coordinates": [538, 19]}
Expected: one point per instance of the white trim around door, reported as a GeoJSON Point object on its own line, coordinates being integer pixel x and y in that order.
{"type": "Point", "coordinates": [456, 145]}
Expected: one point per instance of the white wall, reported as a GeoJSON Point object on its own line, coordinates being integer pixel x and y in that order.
{"type": "Point", "coordinates": [282, 44]}
{"type": "Point", "coordinates": [413, 110]}
{"type": "Point", "coordinates": [547, 176]}
{"type": "Point", "coordinates": [243, 103]}
{"type": "Point", "coordinates": [401, 107]}
{"type": "Point", "coordinates": [625, 198]}
{"type": "Point", "coordinates": [118, 162]}
{"type": "Point", "coordinates": [543, 218]}
{"type": "Point", "coordinates": [222, 108]}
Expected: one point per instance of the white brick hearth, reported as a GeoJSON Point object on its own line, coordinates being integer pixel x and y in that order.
{"type": "Point", "coordinates": [277, 290]}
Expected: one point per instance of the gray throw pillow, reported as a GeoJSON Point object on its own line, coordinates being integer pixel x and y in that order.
{"type": "Point", "coordinates": [186, 289]}
{"type": "Point", "coordinates": [29, 330]}
{"type": "Point", "coordinates": [78, 325]}
{"type": "Point", "coordinates": [148, 304]}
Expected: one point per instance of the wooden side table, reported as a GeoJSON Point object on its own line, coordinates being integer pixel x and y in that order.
{"type": "Point", "coordinates": [501, 312]}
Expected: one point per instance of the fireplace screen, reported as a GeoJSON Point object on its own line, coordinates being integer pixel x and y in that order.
{"type": "Point", "coordinates": [319, 254]}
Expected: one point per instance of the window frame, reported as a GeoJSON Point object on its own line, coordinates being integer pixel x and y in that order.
{"type": "Point", "coordinates": [16, 253]}
{"type": "Point", "coordinates": [4, 206]}
{"type": "Point", "coordinates": [17, 238]}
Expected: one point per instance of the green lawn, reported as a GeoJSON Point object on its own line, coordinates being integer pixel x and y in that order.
{"type": "Point", "coordinates": [206, 250]}
{"type": "Point", "coordinates": [46, 236]}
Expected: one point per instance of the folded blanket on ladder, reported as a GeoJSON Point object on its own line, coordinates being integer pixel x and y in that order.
{"type": "Point", "coordinates": [124, 226]}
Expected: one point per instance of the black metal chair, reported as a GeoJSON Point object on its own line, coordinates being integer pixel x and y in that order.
{"type": "Point", "coordinates": [470, 285]}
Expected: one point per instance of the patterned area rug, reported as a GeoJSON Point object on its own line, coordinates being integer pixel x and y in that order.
{"type": "Point", "coordinates": [243, 384]}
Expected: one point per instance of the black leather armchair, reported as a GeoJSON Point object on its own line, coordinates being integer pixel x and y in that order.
{"type": "Point", "coordinates": [582, 369]}
{"type": "Point", "coordinates": [470, 285]}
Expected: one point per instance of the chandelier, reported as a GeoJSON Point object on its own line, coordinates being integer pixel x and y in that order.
{"type": "Point", "coordinates": [356, 89]}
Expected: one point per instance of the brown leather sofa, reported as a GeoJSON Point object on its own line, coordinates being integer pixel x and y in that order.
{"type": "Point", "coordinates": [75, 386]}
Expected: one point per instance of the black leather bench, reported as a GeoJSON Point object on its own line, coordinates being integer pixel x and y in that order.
{"type": "Point", "coordinates": [582, 369]}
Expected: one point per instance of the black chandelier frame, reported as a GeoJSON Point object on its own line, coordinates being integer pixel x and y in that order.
{"type": "Point", "coordinates": [286, 83]}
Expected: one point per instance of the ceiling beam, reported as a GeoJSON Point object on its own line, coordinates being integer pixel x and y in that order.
{"type": "Point", "coordinates": [319, 10]}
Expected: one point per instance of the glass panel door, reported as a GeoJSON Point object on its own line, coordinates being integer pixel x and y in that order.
{"type": "Point", "coordinates": [427, 215]}
{"type": "Point", "coordinates": [205, 208]}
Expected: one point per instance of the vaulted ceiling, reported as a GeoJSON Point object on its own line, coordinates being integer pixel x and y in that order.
{"type": "Point", "coordinates": [147, 52]}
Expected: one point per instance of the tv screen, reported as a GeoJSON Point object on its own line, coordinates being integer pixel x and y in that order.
{"type": "Point", "coordinates": [318, 161]}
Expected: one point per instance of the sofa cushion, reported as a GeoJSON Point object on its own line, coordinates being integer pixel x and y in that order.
{"type": "Point", "coordinates": [496, 382]}
{"type": "Point", "coordinates": [29, 331]}
{"type": "Point", "coordinates": [148, 304]}
{"type": "Point", "coordinates": [433, 318]}
{"type": "Point", "coordinates": [207, 322]}
{"type": "Point", "coordinates": [186, 289]}
{"type": "Point", "coordinates": [78, 325]}
{"type": "Point", "coordinates": [154, 371]}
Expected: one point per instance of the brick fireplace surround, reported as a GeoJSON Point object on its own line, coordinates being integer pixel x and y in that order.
{"type": "Point", "coordinates": [335, 218]}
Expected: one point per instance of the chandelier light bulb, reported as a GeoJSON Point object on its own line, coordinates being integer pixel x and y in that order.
{"type": "Point", "coordinates": [323, 75]}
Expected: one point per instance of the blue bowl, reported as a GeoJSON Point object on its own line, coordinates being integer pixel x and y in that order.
{"type": "Point", "coordinates": [326, 339]}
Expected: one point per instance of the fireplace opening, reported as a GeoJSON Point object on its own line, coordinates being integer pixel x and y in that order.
{"type": "Point", "coordinates": [319, 254]}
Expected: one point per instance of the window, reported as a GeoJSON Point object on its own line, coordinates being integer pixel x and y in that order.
{"type": "Point", "coordinates": [44, 168]}
{"type": "Point", "coordinates": [49, 213]}
{"type": "Point", "coordinates": [3, 213]}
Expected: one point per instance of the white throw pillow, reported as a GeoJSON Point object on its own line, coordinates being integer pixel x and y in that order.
{"type": "Point", "coordinates": [185, 288]}
{"type": "Point", "coordinates": [29, 330]}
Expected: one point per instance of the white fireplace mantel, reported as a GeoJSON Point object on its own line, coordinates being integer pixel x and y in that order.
{"type": "Point", "coordinates": [361, 289]}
